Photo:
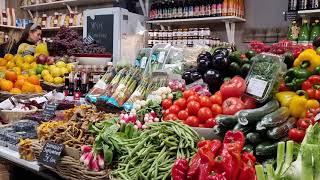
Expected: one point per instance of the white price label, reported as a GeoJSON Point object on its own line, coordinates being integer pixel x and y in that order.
{"type": "Point", "coordinates": [317, 117]}
{"type": "Point", "coordinates": [143, 62]}
{"type": "Point", "coordinates": [257, 87]}
{"type": "Point", "coordinates": [161, 57]}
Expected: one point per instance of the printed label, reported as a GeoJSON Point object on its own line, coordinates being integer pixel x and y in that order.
{"type": "Point", "coordinates": [257, 87]}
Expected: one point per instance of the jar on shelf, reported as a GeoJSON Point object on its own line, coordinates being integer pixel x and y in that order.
{"type": "Point", "coordinates": [207, 40]}
{"type": "Point", "coordinates": [175, 40]}
{"type": "Point", "coordinates": [175, 33]}
{"type": "Point", "coordinates": [156, 33]}
{"type": "Point", "coordinates": [185, 32]}
{"type": "Point", "coordinates": [44, 20]}
{"type": "Point", "coordinates": [201, 31]}
{"type": "Point", "coordinates": [4, 17]}
{"type": "Point", "coordinates": [190, 41]}
{"type": "Point", "coordinates": [185, 40]}
{"type": "Point", "coordinates": [169, 34]}
{"type": "Point", "coordinates": [150, 34]}
{"type": "Point", "coordinates": [164, 33]}
{"type": "Point", "coordinates": [56, 19]}
{"type": "Point", "coordinates": [206, 31]}
{"type": "Point", "coordinates": [180, 33]}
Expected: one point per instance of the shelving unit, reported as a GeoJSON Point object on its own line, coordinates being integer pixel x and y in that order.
{"type": "Point", "coordinates": [312, 11]}
{"type": "Point", "coordinates": [11, 27]}
{"type": "Point", "coordinates": [228, 20]}
{"type": "Point", "coordinates": [57, 28]}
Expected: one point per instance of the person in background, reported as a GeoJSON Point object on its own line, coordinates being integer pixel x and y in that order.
{"type": "Point", "coordinates": [28, 41]}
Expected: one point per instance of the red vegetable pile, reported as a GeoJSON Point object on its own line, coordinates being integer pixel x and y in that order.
{"type": "Point", "coordinates": [216, 160]}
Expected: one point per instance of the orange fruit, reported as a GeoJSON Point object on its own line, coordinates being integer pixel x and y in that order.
{"type": "Point", "coordinates": [3, 62]}
{"type": "Point", "coordinates": [8, 57]}
{"type": "Point", "coordinates": [17, 70]}
{"type": "Point", "coordinates": [3, 68]}
{"type": "Point", "coordinates": [34, 79]}
{"type": "Point", "coordinates": [19, 83]}
{"type": "Point", "coordinates": [22, 77]}
{"type": "Point", "coordinates": [15, 91]}
{"type": "Point", "coordinates": [6, 85]}
{"type": "Point", "coordinates": [38, 89]}
{"type": "Point", "coordinates": [11, 75]}
{"type": "Point", "coordinates": [28, 88]}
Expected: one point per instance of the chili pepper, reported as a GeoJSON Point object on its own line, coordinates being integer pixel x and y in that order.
{"type": "Point", "coordinates": [208, 151]}
{"type": "Point", "coordinates": [234, 137]}
{"type": "Point", "coordinates": [193, 171]}
{"type": "Point", "coordinates": [247, 171]}
{"type": "Point", "coordinates": [298, 105]}
{"type": "Point", "coordinates": [216, 176]}
{"type": "Point", "coordinates": [180, 169]}
{"type": "Point", "coordinates": [307, 59]}
{"type": "Point", "coordinates": [285, 97]}
{"type": "Point", "coordinates": [295, 77]}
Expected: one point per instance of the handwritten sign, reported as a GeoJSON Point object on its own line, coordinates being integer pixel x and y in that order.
{"type": "Point", "coordinates": [49, 111]}
{"type": "Point", "coordinates": [100, 28]}
{"type": "Point", "coordinates": [50, 154]}
{"type": "Point", "coordinates": [291, 16]}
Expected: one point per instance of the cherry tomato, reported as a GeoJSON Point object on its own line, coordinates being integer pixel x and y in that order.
{"type": "Point", "coordinates": [183, 115]}
{"type": "Point", "coordinates": [216, 98]}
{"type": "Point", "coordinates": [174, 109]}
{"type": "Point", "coordinates": [166, 103]}
{"type": "Point", "coordinates": [205, 101]}
{"type": "Point", "coordinates": [170, 117]}
{"type": "Point", "coordinates": [193, 107]}
{"type": "Point", "coordinates": [194, 98]}
{"type": "Point", "coordinates": [296, 135]}
{"type": "Point", "coordinates": [216, 109]}
{"type": "Point", "coordinates": [304, 123]}
{"type": "Point", "coordinates": [204, 114]}
{"type": "Point", "coordinates": [188, 93]}
{"type": "Point", "coordinates": [182, 103]}
{"type": "Point", "coordinates": [192, 121]}
{"type": "Point", "coordinates": [317, 94]}
{"type": "Point", "coordinates": [210, 123]}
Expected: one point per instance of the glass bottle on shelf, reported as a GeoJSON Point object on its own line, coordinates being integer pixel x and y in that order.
{"type": "Point", "coordinates": [224, 8]}
{"type": "Point", "coordinates": [4, 17]}
{"type": "Point", "coordinates": [219, 7]}
{"type": "Point", "coordinates": [208, 8]}
{"type": "Point", "coordinates": [213, 8]}
{"type": "Point", "coordinates": [164, 10]}
{"type": "Point", "coordinates": [180, 9]}
{"type": "Point", "coordinates": [169, 9]}
{"type": "Point", "coordinates": [66, 85]}
{"type": "Point", "coordinates": [190, 9]}
{"type": "Point", "coordinates": [202, 8]}
{"type": "Point", "coordinates": [231, 8]}
{"type": "Point", "coordinates": [185, 9]}
{"type": "Point", "coordinates": [196, 11]}
{"type": "Point", "coordinates": [174, 9]}
{"type": "Point", "coordinates": [159, 10]}
{"type": "Point", "coordinates": [304, 33]}
{"type": "Point", "coordinates": [315, 30]}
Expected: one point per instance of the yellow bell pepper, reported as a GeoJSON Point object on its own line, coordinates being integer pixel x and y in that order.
{"type": "Point", "coordinates": [298, 106]}
{"type": "Point", "coordinates": [313, 104]}
{"type": "Point", "coordinates": [308, 56]}
{"type": "Point", "coordinates": [285, 97]}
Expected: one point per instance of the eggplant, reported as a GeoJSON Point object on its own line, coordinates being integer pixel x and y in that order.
{"type": "Point", "coordinates": [195, 76]}
{"type": "Point", "coordinates": [212, 77]}
{"type": "Point", "coordinates": [220, 62]}
{"type": "Point", "coordinates": [204, 56]}
{"type": "Point", "coordinates": [224, 51]}
{"type": "Point", "coordinates": [187, 77]}
{"type": "Point", "coordinates": [204, 65]}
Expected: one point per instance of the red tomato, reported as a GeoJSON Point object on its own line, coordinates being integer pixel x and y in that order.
{"type": "Point", "coordinates": [205, 101]}
{"type": "Point", "coordinates": [249, 102]}
{"type": "Point", "coordinates": [194, 98]}
{"type": "Point", "coordinates": [204, 114]}
{"type": "Point", "coordinates": [304, 123]}
{"type": "Point", "coordinates": [311, 93]}
{"type": "Point", "coordinates": [174, 109]}
{"type": "Point", "coordinates": [232, 105]}
{"type": "Point", "coordinates": [166, 103]}
{"type": "Point", "coordinates": [193, 107]}
{"type": "Point", "coordinates": [182, 103]}
{"type": "Point", "coordinates": [183, 115]}
{"type": "Point", "coordinates": [216, 98]}
{"type": "Point", "coordinates": [170, 117]}
{"type": "Point", "coordinates": [166, 112]}
{"type": "Point", "coordinates": [192, 121]}
{"type": "Point", "coordinates": [233, 88]}
{"type": "Point", "coordinates": [296, 135]}
{"type": "Point", "coordinates": [188, 93]}
{"type": "Point", "coordinates": [210, 123]}
{"type": "Point", "coordinates": [216, 109]}
{"type": "Point", "coordinates": [317, 94]}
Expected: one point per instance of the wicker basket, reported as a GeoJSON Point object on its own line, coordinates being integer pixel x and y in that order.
{"type": "Point", "coordinates": [9, 116]}
{"type": "Point", "coordinates": [70, 168]}
{"type": "Point", "coordinates": [5, 95]}
{"type": "Point", "coordinates": [50, 86]}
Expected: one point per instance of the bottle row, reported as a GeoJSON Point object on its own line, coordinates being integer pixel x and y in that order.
{"type": "Point", "coordinates": [171, 9]}
{"type": "Point", "coordinates": [304, 34]}
{"type": "Point", "coordinates": [295, 5]}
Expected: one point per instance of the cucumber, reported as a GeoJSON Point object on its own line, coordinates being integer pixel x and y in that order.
{"type": "Point", "coordinates": [251, 116]}
{"type": "Point", "coordinates": [254, 138]}
{"type": "Point", "coordinates": [275, 118]}
{"type": "Point", "coordinates": [282, 130]}
{"type": "Point", "coordinates": [248, 148]}
{"type": "Point", "coordinates": [243, 129]}
{"type": "Point", "coordinates": [226, 121]}
{"type": "Point", "coordinates": [219, 131]}
{"type": "Point", "coordinates": [267, 149]}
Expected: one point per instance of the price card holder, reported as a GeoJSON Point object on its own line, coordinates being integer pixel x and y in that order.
{"type": "Point", "coordinates": [51, 154]}
{"type": "Point", "coordinates": [291, 16]}
{"type": "Point", "coordinates": [49, 111]}
{"type": "Point", "coordinates": [88, 40]}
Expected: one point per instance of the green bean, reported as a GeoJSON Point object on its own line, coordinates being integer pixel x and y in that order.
{"type": "Point", "coordinates": [166, 175]}
{"type": "Point", "coordinates": [123, 176]}
{"type": "Point", "coordinates": [171, 144]}
{"type": "Point", "coordinates": [136, 148]}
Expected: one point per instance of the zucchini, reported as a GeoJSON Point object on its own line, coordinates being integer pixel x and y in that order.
{"type": "Point", "coordinates": [248, 148]}
{"type": "Point", "coordinates": [226, 121]}
{"type": "Point", "coordinates": [219, 131]}
{"type": "Point", "coordinates": [243, 129]}
{"type": "Point", "coordinates": [251, 116]}
{"type": "Point", "coordinates": [267, 149]}
{"type": "Point", "coordinates": [275, 118]}
{"type": "Point", "coordinates": [282, 130]}
{"type": "Point", "coordinates": [254, 138]}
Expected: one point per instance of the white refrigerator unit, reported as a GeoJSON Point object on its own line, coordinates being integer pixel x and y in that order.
{"type": "Point", "coordinates": [117, 30]}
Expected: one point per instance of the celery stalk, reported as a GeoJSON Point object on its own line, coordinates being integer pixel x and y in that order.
{"type": "Point", "coordinates": [260, 172]}
{"type": "Point", "coordinates": [316, 158]}
{"type": "Point", "coordinates": [280, 157]}
{"type": "Point", "coordinates": [306, 162]}
{"type": "Point", "coordinates": [270, 172]}
{"type": "Point", "coordinates": [289, 156]}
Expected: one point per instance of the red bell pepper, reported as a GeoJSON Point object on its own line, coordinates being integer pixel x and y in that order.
{"type": "Point", "coordinates": [234, 137]}
{"type": "Point", "coordinates": [208, 150]}
{"type": "Point", "coordinates": [204, 171]}
{"type": "Point", "coordinates": [247, 170]}
{"type": "Point", "coordinates": [247, 156]}
{"type": "Point", "coordinates": [216, 176]}
{"type": "Point", "coordinates": [312, 86]}
{"type": "Point", "coordinates": [283, 87]}
{"type": "Point", "coordinates": [193, 171]}
{"type": "Point", "coordinates": [180, 169]}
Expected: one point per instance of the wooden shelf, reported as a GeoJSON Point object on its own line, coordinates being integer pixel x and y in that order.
{"type": "Point", "coordinates": [199, 20]}
{"type": "Point", "coordinates": [11, 27]}
{"type": "Point", "coordinates": [57, 28]}
{"type": "Point", "coordinates": [63, 3]}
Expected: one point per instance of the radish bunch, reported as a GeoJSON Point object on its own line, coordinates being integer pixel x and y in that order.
{"type": "Point", "coordinates": [91, 160]}
{"type": "Point", "coordinates": [139, 124]}
{"type": "Point", "coordinates": [177, 85]}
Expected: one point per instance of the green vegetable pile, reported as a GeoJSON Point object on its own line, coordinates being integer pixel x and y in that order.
{"type": "Point", "coordinates": [305, 167]}
{"type": "Point", "coordinates": [152, 154]}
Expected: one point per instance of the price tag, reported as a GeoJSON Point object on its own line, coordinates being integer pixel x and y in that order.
{"type": "Point", "coordinates": [49, 111]}
{"type": "Point", "coordinates": [291, 16]}
{"type": "Point", "coordinates": [6, 104]}
{"type": "Point", "coordinates": [143, 62]}
{"type": "Point", "coordinates": [257, 87]}
{"type": "Point", "coordinates": [88, 40]}
{"type": "Point", "coordinates": [39, 100]}
{"type": "Point", "coordinates": [50, 154]}
{"type": "Point", "coordinates": [161, 57]}
{"type": "Point", "coordinates": [317, 117]}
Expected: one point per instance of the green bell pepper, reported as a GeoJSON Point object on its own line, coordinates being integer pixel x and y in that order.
{"type": "Point", "coordinates": [295, 77]}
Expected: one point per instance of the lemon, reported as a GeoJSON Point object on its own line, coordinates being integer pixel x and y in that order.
{"type": "Point", "coordinates": [28, 59]}
{"type": "Point", "coordinates": [70, 67]}
{"type": "Point", "coordinates": [44, 73]}
{"type": "Point", "coordinates": [18, 58]}
{"type": "Point", "coordinates": [25, 66]}
{"type": "Point", "coordinates": [58, 80]}
{"type": "Point", "coordinates": [48, 78]}
{"type": "Point", "coordinates": [60, 64]}
{"type": "Point", "coordinates": [64, 71]}
{"type": "Point", "coordinates": [33, 65]}
{"type": "Point", "coordinates": [19, 62]}
{"type": "Point", "coordinates": [10, 65]}
{"type": "Point", "coordinates": [51, 67]}
{"type": "Point", "coordinates": [55, 72]}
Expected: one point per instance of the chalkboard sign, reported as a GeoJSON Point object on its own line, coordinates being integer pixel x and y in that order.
{"type": "Point", "coordinates": [49, 111]}
{"type": "Point", "coordinates": [100, 28]}
{"type": "Point", "coordinates": [50, 154]}
{"type": "Point", "coordinates": [291, 16]}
